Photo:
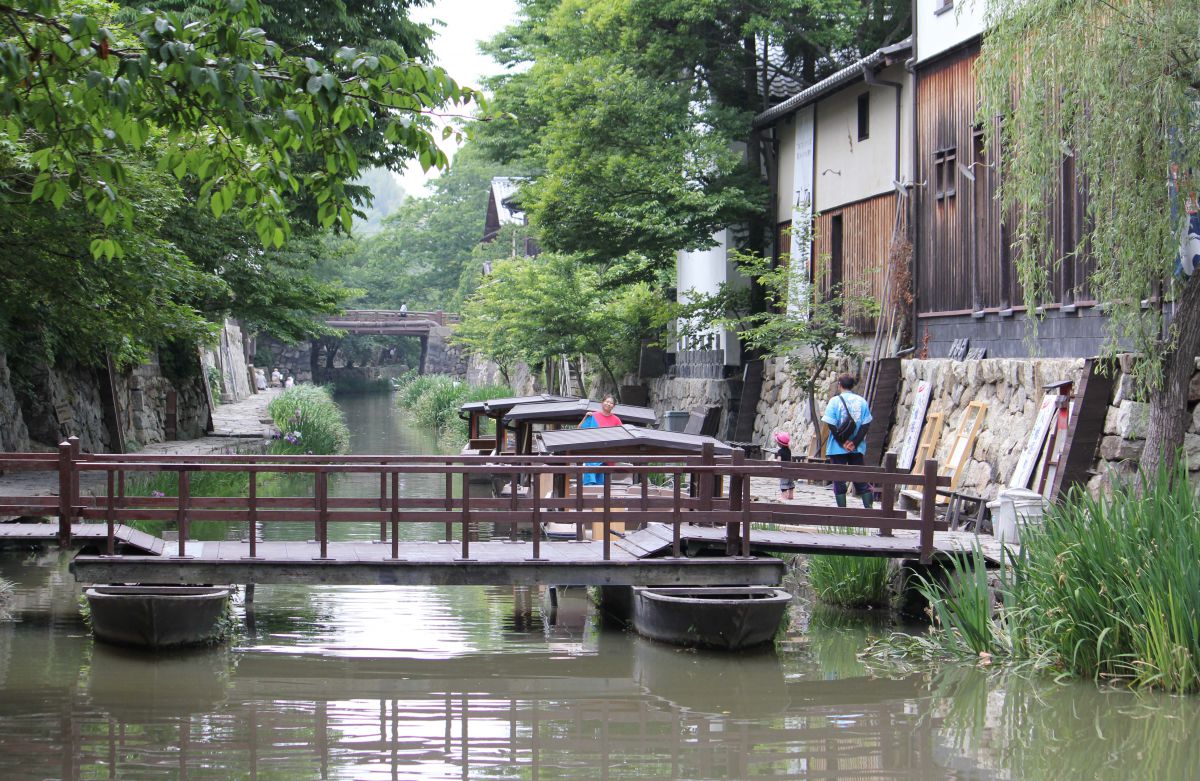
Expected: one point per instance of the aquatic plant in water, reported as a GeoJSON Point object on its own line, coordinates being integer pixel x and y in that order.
{"type": "Point", "coordinates": [310, 421]}
{"type": "Point", "coordinates": [1105, 589]}
{"type": "Point", "coordinates": [850, 581]}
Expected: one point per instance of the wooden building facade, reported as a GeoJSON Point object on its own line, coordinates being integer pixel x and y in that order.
{"type": "Point", "coordinates": [966, 284]}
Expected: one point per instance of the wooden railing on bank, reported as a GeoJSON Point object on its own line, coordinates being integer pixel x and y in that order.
{"type": "Point", "coordinates": [705, 501]}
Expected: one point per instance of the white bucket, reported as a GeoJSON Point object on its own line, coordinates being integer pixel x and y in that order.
{"type": "Point", "coordinates": [1014, 508]}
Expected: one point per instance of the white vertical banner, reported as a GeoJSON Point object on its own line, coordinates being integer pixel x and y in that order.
{"type": "Point", "coordinates": [802, 212]}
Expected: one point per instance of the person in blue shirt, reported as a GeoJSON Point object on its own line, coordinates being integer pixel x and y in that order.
{"type": "Point", "coordinates": [849, 414]}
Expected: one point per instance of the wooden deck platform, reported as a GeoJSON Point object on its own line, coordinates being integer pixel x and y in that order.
{"type": "Point", "coordinates": [82, 534]}
{"type": "Point", "coordinates": [423, 563]}
{"type": "Point", "coordinates": [656, 539]}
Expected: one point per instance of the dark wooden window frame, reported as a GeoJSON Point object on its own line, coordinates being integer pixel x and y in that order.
{"type": "Point", "coordinates": [945, 173]}
{"type": "Point", "coordinates": [864, 116]}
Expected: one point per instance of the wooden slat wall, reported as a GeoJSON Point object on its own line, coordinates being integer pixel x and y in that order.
{"type": "Point", "coordinates": [964, 257]}
{"type": "Point", "coordinates": [866, 237]}
{"type": "Point", "coordinates": [945, 116]}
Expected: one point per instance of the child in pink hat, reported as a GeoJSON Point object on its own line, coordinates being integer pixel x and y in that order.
{"type": "Point", "coordinates": [787, 487]}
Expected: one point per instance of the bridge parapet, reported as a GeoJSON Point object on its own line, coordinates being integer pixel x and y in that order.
{"type": "Point", "coordinates": [541, 489]}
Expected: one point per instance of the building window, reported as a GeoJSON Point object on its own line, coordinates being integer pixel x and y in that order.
{"type": "Point", "coordinates": [864, 116]}
{"type": "Point", "coordinates": [942, 6]}
{"type": "Point", "coordinates": [944, 161]}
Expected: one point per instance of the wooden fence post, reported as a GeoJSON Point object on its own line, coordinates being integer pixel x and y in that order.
{"type": "Point", "coordinates": [737, 461]}
{"type": "Point", "coordinates": [466, 518]}
{"type": "Point", "coordinates": [66, 501]}
{"type": "Point", "coordinates": [887, 499]}
{"type": "Point", "coordinates": [928, 509]}
{"type": "Point", "coordinates": [707, 479]}
{"type": "Point", "coordinates": [181, 517]}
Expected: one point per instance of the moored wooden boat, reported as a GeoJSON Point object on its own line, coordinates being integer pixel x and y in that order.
{"type": "Point", "coordinates": [157, 616]}
{"type": "Point", "coordinates": [725, 618]}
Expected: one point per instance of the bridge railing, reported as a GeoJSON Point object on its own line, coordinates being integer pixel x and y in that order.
{"type": "Point", "coordinates": [718, 494]}
{"type": "Point", "coordinates": [438, 316]}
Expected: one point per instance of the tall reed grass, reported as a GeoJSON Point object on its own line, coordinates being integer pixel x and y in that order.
{"type": "Point", "coordinates": [309, 422]}
{"type": "Point", "coordinates": [1107, 588]}
{"type": "Point", "coordinates": [434, 400]}
{"type": "Point", "coordinates": [850, 581]}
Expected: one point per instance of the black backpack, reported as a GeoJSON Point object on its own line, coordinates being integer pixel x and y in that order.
{"type": "Point", "coordinates": [844, 431]}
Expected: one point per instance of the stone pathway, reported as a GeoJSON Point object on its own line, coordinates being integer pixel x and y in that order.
{"type": "Point", "coordinates": [241, 426]}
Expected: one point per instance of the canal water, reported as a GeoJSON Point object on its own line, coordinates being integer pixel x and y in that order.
{"type": "Point", "coordinates": [495, 683]}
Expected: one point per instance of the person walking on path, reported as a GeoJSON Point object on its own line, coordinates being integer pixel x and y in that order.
{"type": "Point", "coordinates": [603, 418]}
{"type": "Point", "coordinates": [787, 486]}
{"type": "Point", "coordinates": [849, 418]}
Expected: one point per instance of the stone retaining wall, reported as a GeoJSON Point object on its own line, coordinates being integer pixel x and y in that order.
{"type": "Point", "coordinates": [42, 405]}
{"type": "Point", "coordinates": [1012, 389]}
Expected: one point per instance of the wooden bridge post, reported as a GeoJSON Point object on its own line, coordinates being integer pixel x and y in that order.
{"type": "Point", "coordinates": [887, 499]}
{"type": "Point", "coordinates": [579, 505]}
{"type": "Point", "coordinates": [181, 517]}
{"type": "Point", "coordinates": [607, 515]}
{"type": "Point", "coordinates": [395, 516]}
{"type": "Point", "coordinates": [737, 462]}
{"type": "Point", "coordinates": [110, 514]}
{"type": "Point", "coordinates": [66, 497]}
{"type": "Point", "coordinates": [252, 515]}
{"type": "Point", "coordinates": [707, 480]}
{"type": "Point", "coordinates": [676, 514]}
{"type": "Point", "coordinates": [536, 531]}
{"type": "Point", "coordinates": [322, 497]}
{"type": "Point", "coordinates": [746, 503]}
{"type": "Point", "coordinates": [514, 486]}
{"type": "Point", "coordinates": [466, 518]}
{"type": "Point", "coordinates": [382, 506]}
{"type": "Point", "coordinates": [450, 506]}
{"type": "Point", "coordinates": [928, 509]}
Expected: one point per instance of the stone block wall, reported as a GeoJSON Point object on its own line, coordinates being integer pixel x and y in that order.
{"type": "Point", "coordinates": [682, 393]}
{"type": "Point", "coordinates": [1012, 389]}
{"type": "Point", "coordinates": [42, 405]}
{"type": "Point", "coordinates": [783, 405]}
{"type": "Point", "coordinates": [229, 357]}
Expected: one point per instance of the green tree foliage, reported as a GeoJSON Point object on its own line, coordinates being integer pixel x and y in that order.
{"type": "Point", "coordinates": [1115, 86]}
{"type": "Point", "coordinates": [631, 111]}
{"type": "Point", "coordinates": [804, 324]}
{"type": "Point", "coordinates": [115, 122]}
{"type": "Point", "coordinates": [428, 253]}
{"type": "Point", "coordinates": [533, 309]}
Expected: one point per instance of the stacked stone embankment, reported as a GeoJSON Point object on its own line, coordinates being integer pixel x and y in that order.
{"type": "Point", "coordinates": [1012, 390]}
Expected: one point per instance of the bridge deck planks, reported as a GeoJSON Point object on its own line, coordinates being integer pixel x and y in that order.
{"type": "Point", "coordinates": [421, 563]}
{"type": "Point", "coordinates": [655, 539]}
{"type": "Point", "coordinates": [82, 534]}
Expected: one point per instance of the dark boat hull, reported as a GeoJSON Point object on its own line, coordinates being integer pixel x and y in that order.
{"type": "Point", "coordinates": [725, 618]}
{"type": "Point", "coordinates": [157, 616]}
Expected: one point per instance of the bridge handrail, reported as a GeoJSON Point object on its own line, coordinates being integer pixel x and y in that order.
{"type": "Point", "coordinates": [707, 501]}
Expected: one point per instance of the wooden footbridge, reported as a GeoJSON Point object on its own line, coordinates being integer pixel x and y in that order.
{"type": "Point", "coordinates": [706, 533]}
{"type": "Point", "coordinates": [388, 322]}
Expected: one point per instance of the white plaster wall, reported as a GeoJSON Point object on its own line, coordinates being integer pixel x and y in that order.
{"type": "Point", "coordinates": [703, 271]}
{"type": "Point", "coordinates": [785, 195]}
{"type": "Point", "coordinates": [847, 169]}
{"type": "Point", "coordinates": [938, 32]}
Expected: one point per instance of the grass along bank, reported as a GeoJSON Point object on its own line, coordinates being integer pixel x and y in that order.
{"type": "Point", "coordinates": [434, 400]}
{"type": "Point", "coordinates": [308, 422]}
{"type": "Point", "coordinates": [1106, 589]}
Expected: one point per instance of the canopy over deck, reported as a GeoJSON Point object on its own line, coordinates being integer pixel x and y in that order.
{"type": "Point", "coordinates": [497, 408]}
{"type": "Point", "coordinates": [573, 410]}
{"type": "Point", "coordinates": [625, 439]}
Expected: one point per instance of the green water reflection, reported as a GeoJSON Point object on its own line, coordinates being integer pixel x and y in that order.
{"type": "Point", "coordinates": [500, 683]}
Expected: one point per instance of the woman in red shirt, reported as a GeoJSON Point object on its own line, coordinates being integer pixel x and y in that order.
{"type": "Point", "coordinates": [602, 419]}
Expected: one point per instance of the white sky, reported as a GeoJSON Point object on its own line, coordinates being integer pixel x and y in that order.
{"type": "Point", "coordinates": [466, 23]}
